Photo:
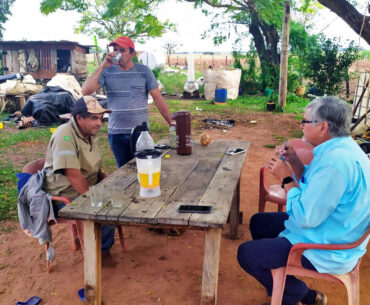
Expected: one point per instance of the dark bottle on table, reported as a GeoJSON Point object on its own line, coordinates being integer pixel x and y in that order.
{"type": "Point", "coordinates": [183, 132]}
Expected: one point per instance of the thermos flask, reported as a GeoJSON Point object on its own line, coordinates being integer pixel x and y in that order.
{"type": "Point", "coordinates": [183, 132]}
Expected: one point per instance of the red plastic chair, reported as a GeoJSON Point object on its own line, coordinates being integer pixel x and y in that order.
{"type": "Point", "coordinates": [76, 225]}
{"type": "Point", "coordinates": [274, 193]}
{"type": "Point", "coordinates": [350, 280]}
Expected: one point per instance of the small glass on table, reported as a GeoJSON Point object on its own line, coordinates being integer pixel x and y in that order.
{"type": "Point", "coordinates": [96, 195]}
{"type": "Point", "coordinates": [117, 196]}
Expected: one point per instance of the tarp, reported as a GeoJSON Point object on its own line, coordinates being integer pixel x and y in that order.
{"type": "Point", "coordinates": [67, 82]}
{"type": "Point", "coordinates": [46, 105]}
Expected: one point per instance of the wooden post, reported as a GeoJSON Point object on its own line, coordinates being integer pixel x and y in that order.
{"type": "Point", "coordinates": [211, 260]}
{"type": "Point", "coordinates": [284, 56]}
{"type": "Point", "coordinates": [234, 213]}
{"type": "Point", "coordinates": [92, 262]}
{"type": "Point", "coordinates": [3, 102]}
{"type": "Point", "coordinates": [21, 98]}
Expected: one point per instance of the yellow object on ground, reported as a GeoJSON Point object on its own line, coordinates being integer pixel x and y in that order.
{"type": "Point", "coordinates": [300, 90]}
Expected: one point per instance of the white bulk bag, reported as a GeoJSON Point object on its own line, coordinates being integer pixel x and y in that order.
{"type": "Point", "coordinates": [226, 79]}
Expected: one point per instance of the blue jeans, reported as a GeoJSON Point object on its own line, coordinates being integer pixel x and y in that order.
{"type": "Point", "coordinates": [107, 232]}
{"type": "Point", "coordinates": [268, 251]}
{"type": "Point", "coordinates": [120, 145]}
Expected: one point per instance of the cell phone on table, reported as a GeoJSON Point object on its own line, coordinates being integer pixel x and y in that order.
{"type": "Point", "coordinates": [235, 151]}
{"type": "Point", "coordinates": [203, 209]}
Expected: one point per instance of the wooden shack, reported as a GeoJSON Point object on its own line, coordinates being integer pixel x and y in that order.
{"type": "Point", "coordinates": [43, 59]}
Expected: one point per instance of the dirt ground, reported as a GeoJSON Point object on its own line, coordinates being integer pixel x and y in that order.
{"type": "Point", "coordinates": [158, 269]}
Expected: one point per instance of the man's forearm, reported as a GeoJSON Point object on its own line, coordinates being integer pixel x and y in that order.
{"type": "Point", "coordinates": [77, 180]}
{"type": "Point", "coordinates": [92, 82]}
{"type": "Point", "coordinates": [298, 168]}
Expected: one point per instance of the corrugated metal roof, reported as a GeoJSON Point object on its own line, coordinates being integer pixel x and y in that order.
{"type": "Point", "coordinates": [55, 43]}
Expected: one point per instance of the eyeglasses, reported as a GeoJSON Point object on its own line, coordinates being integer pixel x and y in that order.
{"type": "Point", "coordinates": [308, 122]}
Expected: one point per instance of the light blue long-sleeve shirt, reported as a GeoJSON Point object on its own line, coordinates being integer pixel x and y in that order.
{"type": "Point", "coordinates": [331, 205]}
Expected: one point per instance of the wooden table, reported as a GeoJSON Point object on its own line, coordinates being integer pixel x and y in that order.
{"type": "Point", "coordinates": [208, 176]}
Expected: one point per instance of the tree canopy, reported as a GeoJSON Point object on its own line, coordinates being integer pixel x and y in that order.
{"type": "Point", "coordinates": [111, 18]}
{"type": "Point", "coordinates": [4, 13]}
{"type": "Point", "coordinates": [348, 12]}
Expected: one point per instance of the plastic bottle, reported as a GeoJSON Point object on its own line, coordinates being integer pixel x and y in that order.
{"type": "Point", "coordinates": [144, 141]}
{"type": "Point", "coordinates": [172, 135]}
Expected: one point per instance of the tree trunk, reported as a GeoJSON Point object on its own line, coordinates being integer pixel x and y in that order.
{"type": "Point", "coordinates": [266, 39]}
{"type": "Point", "coordinates": [350, 15]}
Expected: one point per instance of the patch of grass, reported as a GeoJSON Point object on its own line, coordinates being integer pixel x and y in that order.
{"type": "Point", "coordinates": [174, 83]}
{"type": "Point", "coordinates": [4, 115]}
{"type": "Point", "coordinates": [365, 54]}
{"type": "Point", "coordinates": [29, 135]}
{"type": "Point", "coordinates": [295, 104]}
{"type": "Point", "coordinates": [158, 127]}
{"type": "Point", "coordinates": [238, 106]}
{"type": "Point", "coordinates": [8, 193]}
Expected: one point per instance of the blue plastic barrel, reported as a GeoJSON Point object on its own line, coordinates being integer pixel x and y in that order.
{"type": "Point", "coordinates": [221, 95]}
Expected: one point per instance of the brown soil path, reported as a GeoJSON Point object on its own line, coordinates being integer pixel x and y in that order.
{"type": "Point", "coordinates": [158, 269]}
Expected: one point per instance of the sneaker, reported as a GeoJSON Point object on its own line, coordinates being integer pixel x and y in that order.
{"type": "Point", "coordinates": [321, 299]}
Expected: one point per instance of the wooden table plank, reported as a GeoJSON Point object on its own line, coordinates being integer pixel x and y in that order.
{"type": "Point", "coordinates": [221, 191]}
{"type": "Point", "coordinates": [192, 190]}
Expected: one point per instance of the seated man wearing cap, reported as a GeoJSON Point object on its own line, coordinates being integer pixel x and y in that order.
{"type": "Point", "coordinates": [127, 85]}
{"type": "Point", "coordinates": [73, 157]}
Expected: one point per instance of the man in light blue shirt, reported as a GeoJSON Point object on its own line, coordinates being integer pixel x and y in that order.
{"type": "Point", "coordinates": [328, 202]}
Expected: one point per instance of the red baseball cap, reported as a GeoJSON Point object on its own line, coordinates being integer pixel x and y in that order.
{"type": "Point", "coordinates": [123, 42]}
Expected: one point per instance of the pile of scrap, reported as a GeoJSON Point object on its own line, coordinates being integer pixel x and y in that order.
{"type": "Point", "coordinates": [45, 105]}
{"type": "Point", "coordinates": [15, 90]}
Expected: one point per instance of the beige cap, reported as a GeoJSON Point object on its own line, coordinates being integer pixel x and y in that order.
{"type": "Point", "coordinates": [89, 104]}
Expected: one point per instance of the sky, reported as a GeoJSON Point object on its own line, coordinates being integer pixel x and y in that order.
{"type": "Point", "coordinates": [27, 23]}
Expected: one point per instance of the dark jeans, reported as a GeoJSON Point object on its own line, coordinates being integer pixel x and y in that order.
{"type": "Point", "coordinates": [107, 232]}
{"type": "Point", "coordinates": [268, 251]}
{"type": "Point", "coordinates": [120, 145]}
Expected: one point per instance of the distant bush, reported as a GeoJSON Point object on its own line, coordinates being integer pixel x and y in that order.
{"type": "Point", "coordinates": [327, 66]}
{"type": "Point", "coordinates": [250, 82]}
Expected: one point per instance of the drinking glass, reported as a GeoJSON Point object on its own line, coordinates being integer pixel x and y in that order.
{"type": "Point", "coordinates": [117, 193]}
{"type": "Point", "coordinates": [96, 195]}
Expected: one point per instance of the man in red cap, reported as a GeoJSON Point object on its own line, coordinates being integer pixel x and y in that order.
{"type": "Point", "coordinates": [127, 85]}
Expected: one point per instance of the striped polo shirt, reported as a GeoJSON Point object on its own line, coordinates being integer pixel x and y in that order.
{"type": "Point", "coordinates": [127, 95]}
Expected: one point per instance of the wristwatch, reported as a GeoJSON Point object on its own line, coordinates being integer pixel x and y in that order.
{"type": "Point", "coordinates": [286, 180]}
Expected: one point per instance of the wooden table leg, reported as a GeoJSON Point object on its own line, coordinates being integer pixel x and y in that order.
{"type": "Point", "coordinates": [234, 213]}
{"type": "Point", "coordinates": [92, 262]}
{"type": "Point", "coordinates": [212, 242]}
